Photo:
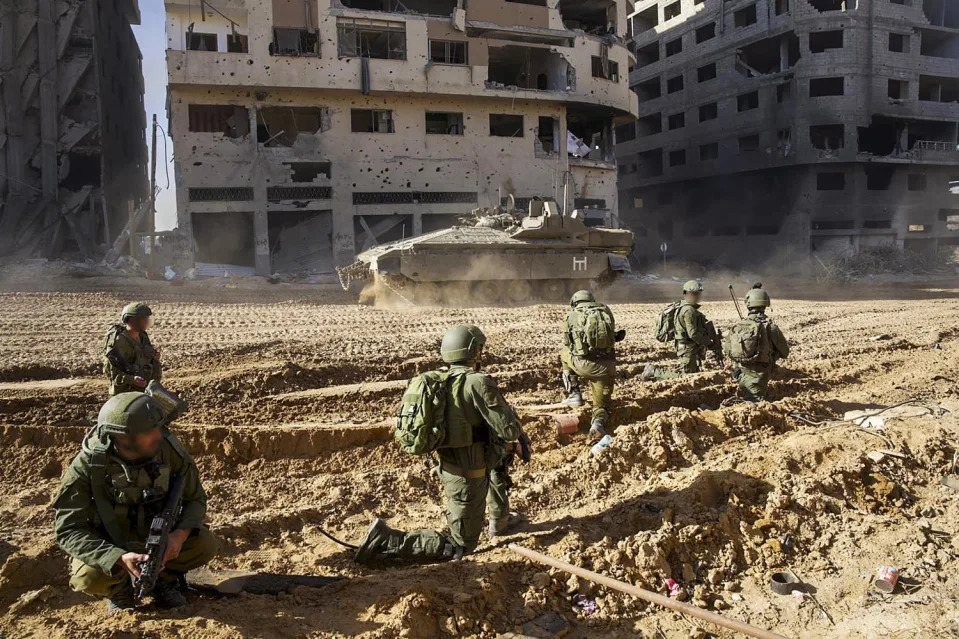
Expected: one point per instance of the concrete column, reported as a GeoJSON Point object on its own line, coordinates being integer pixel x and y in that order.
{"type": "Point", "coordinates": [261, 227]}
{"type": "Point", "coordinates": [783, 54]}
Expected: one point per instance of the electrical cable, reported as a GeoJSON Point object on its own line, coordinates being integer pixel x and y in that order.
{"type": "Point", "coordinates": [332, 538]}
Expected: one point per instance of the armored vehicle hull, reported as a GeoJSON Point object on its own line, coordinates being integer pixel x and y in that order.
{"type": "Point", "coordinates": [544, 257]}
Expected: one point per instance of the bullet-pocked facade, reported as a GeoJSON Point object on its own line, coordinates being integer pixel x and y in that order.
{"type": "Point", "coordinates": [776, 128]}
{"type": "Point", "coordinates": [306, 132]}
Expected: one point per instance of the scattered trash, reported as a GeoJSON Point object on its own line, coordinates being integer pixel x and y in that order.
{"type": "Point", "coordinates": [881, 338]}
{"type": "Point", "coordinates": [673, 588]}
{"type": "Point", "coordinates": [799, 595]}
{"type": "Point", "coordinates": [169, 273]}
{"type": "Point", "coordinates": [875, 456]}
{"type": "Point", "coordinates": [567, 424]}
{"type": "Point", "coordinates": [950, 481]}
{"type": "Point", "coordinates": [886, 579]}
{"type": "Point", "coordinates": [783, 583]}
{"type": "Point", "coordinates": [586, 605]}
{"type": "Point", "coordinates": [602, 445]}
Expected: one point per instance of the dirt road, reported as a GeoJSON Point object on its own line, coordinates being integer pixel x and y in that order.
{"type": "Point", "coordinates": [292, 391]}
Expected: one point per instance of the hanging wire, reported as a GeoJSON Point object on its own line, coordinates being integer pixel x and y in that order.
{"type": "Point", "coordinates": [166, 162]}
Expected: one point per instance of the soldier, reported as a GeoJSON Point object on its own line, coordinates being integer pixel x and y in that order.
{"type": "Point", "coordinates": [694, 335]}
{"type": "Point", "coordinates": [474, 477]}
{"type": "Point", "coordinates": [755, 344]}
{"type": "Point", "coordinates": [589, 321]}
{"type": "Point", "coordinates": [109, 495]}
{"type": "Point", "coordinates": [129, 359]}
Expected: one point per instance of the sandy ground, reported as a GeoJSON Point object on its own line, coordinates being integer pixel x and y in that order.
{"type": "Point", "coordinates": [292, 389]}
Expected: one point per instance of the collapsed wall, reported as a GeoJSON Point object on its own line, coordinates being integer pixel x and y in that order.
{"type": "Point", "coordinates": [72, 147]}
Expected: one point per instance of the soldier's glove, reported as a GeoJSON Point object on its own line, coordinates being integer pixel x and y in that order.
{"type": "Point", "coordinates": [620, 335]}
{"type": "Point", "coordinates": [524, 448]}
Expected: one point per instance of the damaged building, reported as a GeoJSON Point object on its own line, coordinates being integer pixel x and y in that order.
{"type": "Point", "coordinates": [73, 157]}
{"type": "Point", "coordinates": [306, 131]}
{"type": "Point", "coordinates": [784, 127]}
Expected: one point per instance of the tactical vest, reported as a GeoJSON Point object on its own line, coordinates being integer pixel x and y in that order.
{"type": "Point", "coordinates": [119, 495]}
{"type": "Point", "coordinates": [143, 350]}
{"type": "Point", "coordinates": [137, 493]}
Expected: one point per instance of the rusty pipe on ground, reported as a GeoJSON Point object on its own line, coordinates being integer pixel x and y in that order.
{"type": "Point", "coordinates": [646, 595]}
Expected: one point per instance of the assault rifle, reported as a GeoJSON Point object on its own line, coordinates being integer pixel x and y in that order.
{"type": "Point", "coordinates": [158, 539]}
{"type": "Point", "coordinates": [146, 372]}
{"type": "Point", "coordinates": [716, 345]}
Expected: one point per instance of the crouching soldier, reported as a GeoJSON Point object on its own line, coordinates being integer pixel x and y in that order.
{"type": "Point", "coordinates": [589, 353]}
{"type": "Point", "coordinates": [754, 345]}
{"type": "Point", "coordinates": [130, 361]}
{"type": "Point", "coordinates": [460, 414]}
{"type": "Point", "coordinates": [685, 325]}
{"type": "Point", "coordinates": [109, 495]}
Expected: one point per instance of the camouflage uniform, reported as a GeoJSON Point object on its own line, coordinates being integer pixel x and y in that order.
{"type": "Point", "coordinates": [753, 379]}
{"type": "Point", "coordinates": [692, 340]}
{"type": "Point", "coordinates": [125, 358]}
{"type": "Point", "coordinates": [472, 468]}
{"type": "Point", "coordinates": [600, 372]}
{"type": "Point", "coordinates": [100, 513]}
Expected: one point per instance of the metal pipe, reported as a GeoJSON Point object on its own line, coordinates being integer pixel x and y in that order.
{"type": "Point", "coordinates": [660, 600]}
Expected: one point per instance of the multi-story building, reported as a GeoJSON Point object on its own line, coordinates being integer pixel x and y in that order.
{"type": "Point", "coordinates": [73, 158]}
{"type": "Point", "coordinates": [308, 130]}
{"type": "Point", "coordinates": [779, 127]}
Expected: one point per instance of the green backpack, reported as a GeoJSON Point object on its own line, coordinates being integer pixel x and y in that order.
{"type": "Point", "coordinates": [594, 330]}
{"type": "Point", "coordinates": [665, 330]}
{"type": "Point", "coordinates": [421, 422]}
{"type": "Point", "coordinates": [748, 342]}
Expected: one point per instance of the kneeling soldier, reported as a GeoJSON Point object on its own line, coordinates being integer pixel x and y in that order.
{"type": "Point", "coordinates": [589, 352]}
{"type": "Point", "coordinates": [109, 495]}
{"type": "Point", "coordinates": [755, 344]}
{"type": "Point", "coordinates": [474, 457]}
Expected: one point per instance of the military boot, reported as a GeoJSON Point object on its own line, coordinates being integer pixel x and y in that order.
{"type": "Point", "coordinates": [503, 524]}
{"type": "Point", "coordinates": [574, 397]}
{"type": "Point", "coordinates": [375, 541]}
{"type": "Point", "coordinates": [122, 600]}
{"type": "Point", "coordinates": [166, 594]}
{"type": "Point", "coordinates": [598, 428]}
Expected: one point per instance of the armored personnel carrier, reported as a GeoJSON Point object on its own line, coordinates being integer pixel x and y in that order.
{"type": "Point", "coordinates": [496, 257]}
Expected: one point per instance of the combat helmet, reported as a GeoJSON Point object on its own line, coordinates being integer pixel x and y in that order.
{"type": "Point", "coordinates": [581, 296]}
{"type": "Point", "coordinates": [462, 343]}
{"type": "Point", "coordinates": [757, 298]}
{"type": "Point", "coordinates": [135, 309]}
{"type": "Point", "coordinates": [693, 286]}
{"type": "Point", "coordinates": [130, 414]}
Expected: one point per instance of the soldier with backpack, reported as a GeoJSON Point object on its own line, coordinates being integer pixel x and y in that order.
{"type": "Point", "coordinates": [754, 344]}
{"type": "Point", "coordinates": [461, 415]}
{"type": "Point", "coordinates": [130, 361]}
{"type": "Point", "coordinates": [589, 341]}
{"type": "Point", "coordinates": [684, 324]}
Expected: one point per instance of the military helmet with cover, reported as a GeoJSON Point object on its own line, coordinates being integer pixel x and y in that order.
{"type": "Point", "coordinates": [757, 298]}
{"type": "Point", "coordinates": [462, 343]}
{"type": "Point", "coordinates": [693, 286]}
{"type": "Point", "coordinates": [581, 296]}
{"type": "Point", "coordinates": [130, 414]}
{"type": "Point", "coordinates": [135, 309]}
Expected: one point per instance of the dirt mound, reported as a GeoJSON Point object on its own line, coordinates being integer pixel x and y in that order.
{"type": "Point", "coordinates": [292, 402]}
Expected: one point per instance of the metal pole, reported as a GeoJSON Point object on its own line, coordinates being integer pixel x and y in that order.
{"type": "Point", "coordinates": [732, 294]}
{"type": "Point", "coordinates": [153, 197]}
{"type": "Point", "coordinates": [652, 597]}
